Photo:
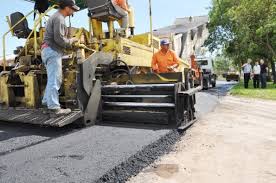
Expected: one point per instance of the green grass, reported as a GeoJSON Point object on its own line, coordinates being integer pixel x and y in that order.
{"type": "Point", "coordinates": [269, 93]}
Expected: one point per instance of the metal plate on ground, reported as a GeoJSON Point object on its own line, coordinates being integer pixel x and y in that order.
{"type": "Point", "coordinates": [38, 117]}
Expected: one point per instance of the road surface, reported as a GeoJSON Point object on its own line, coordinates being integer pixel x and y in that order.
{"type": "Point", "coordinates": [33, 154]}
{"type": "Point", "coordinates": [236, 143]}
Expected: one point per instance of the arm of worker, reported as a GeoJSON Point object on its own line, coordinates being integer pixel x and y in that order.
{"type": "Point", "coordinates": [244, 65]}
{"type": "Point", "coordinates": [59, 35]}
{"type": "Point", "coordinates": [154, 65]}
{"type": "Point", "coordinates": [175, 62]}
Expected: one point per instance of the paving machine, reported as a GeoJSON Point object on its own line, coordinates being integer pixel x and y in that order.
{"type": "Point", "coordinates": [110, 80]}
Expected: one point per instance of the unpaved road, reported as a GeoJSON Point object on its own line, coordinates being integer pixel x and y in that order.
{"type": "Point", "coordinates": [234, 144]}
{"type": "Point", "coordinates": [33, 154]}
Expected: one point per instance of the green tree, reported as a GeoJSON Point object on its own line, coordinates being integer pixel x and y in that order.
{"type": "Point", "coordinates": [222, 65]}
{"type": "Point", "coordinates": [244, 29]}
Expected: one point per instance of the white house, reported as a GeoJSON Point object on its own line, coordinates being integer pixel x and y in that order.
{"type": "Point", "coordinates": [187, 34]}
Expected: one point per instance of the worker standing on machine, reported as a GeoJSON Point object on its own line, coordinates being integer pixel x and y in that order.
{"type": "Point", "coordinates": [165, 60]}
{"type": "Point", "coordinates": [122, 8]}
{"type": "Point", "coordinates": [55, 41]}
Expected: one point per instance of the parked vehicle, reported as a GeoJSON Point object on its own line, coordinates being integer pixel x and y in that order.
{"type": "Point", "coordinates": [209, 76]}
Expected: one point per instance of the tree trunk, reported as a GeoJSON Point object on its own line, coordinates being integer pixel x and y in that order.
{"type": "Point", "coordinates": [273, 70]}
{"type": "Point", "coordinates": [272, 61]}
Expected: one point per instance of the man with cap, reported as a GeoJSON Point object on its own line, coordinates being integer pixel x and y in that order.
{"type": "Point", "coordinates": [165, 60]}
{"type": "Point", "coordinates": [53, 46]}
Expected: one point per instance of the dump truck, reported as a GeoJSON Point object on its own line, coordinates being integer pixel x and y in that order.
{"type": "Point", "coordinates": [209, 75]}
{"type": "Point", "coordinates": [232, 75]}
{"type": "Point", "coordinates": [108, 81]}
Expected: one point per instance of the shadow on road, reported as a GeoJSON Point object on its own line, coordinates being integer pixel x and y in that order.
{"type": "Point", "coordinates": [17, 136]}
{"type": "Point", "coordinates": [11, 130]}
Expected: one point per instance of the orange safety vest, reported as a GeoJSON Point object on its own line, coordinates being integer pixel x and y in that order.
{"type": "Point", "coordinates": [161, 61]}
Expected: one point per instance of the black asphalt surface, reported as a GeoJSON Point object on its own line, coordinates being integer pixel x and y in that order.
{"type": "Point", "coordinates": [34, 154]}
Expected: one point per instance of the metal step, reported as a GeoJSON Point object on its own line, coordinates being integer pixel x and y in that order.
{"type": "Point", "coordinates": [155, 89]}
{"type": "Point", "coordinates": [152, 104]}
{"type": "Point", "coordinates": [137, 96]}
{"type": "Point", "coordinates": [140, 105]}
{"type": "Point", "coordinates": [139, 86]}
{"type": "Point", "coordinates": [38, 117]}
{"type": "Point", "coordinates": [135, 117]}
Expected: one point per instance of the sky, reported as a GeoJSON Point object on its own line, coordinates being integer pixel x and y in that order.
{"type": "Point", "coordinates": [164, 14]}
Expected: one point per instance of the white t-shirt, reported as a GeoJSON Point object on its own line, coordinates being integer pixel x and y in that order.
{"type": "Point", "coordinates": [257, 69]}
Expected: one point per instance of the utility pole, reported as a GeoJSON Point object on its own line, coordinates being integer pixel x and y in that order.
{"type": "Point", "coordinates": [151, 26]}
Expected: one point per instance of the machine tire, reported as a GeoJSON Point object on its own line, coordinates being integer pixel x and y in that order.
{"type": "Point", "coordinates": [214, 84]}
{"type": "Point", "coordinates": [206, 84]}
{"type": "Point", "coordinates": [81, 123]}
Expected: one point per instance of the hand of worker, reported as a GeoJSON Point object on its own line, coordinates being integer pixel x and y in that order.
{"type": "Point", "coordinates": [74, 40]}
{"type": "Point", "coordinates": [79, 45]}
{"type": "Point", "coordinates": [173, 67]}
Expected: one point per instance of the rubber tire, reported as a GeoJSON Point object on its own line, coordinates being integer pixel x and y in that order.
{"type": "Point", "coordinates": [214, 84]}
{"type": "Point", "coordinates": [204, 85]}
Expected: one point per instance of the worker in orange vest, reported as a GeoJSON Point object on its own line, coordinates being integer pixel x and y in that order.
{"type": "Point", "coordinates": [165, 60]}
{"type": "Point", "coordinates": [122, 8]}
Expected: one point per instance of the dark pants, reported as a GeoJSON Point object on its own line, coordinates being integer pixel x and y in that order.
{"type": "Point", "coordinates": [256, 81]}
{"type": "Point", "coordinates": [246, 79]}
{"type": "Point", "coordinates": [263, 78]}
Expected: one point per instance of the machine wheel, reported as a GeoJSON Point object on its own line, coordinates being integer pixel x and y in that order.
{"type": "Point", "coordinates": [206, 84]}
{"type": "Point", "coordinates": [119, 68]}
{"type": "Point", "coordinates": [214, 84]}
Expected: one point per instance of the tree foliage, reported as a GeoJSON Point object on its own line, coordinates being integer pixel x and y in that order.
{"type": "Point", "coordinates": [223, 65]}
{"type": "Point", "coordinates": [243, 28]}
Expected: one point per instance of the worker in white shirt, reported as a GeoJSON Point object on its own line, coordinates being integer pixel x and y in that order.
{"type": "Point", "coordinates": [256, 75]}
{"type": "Point", "coordinates": [247, 70]}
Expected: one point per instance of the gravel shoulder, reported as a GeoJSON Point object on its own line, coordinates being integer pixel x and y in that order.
{"type": "Point", "coordinates": [235, 143]}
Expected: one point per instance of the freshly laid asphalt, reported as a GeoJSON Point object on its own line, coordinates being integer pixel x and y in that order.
{"type": "Point", "coordinates": [36, 154]}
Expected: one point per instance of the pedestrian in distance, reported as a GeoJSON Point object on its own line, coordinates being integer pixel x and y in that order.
{"type": "Point", "coordinates": [263, 74]}
{"type": "Point", "coordinates": [247, 70]}
{"type": "Point", "coordinates": [256, 75]}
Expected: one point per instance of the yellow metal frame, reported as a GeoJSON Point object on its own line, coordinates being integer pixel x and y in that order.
{"type": "Point", "coordinates": [37, 22]}
{"type": "Point", "coordinates": [4, 38]}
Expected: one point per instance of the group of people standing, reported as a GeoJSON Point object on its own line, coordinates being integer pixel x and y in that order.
{"type": "Point", "coordinates": [259, 73]}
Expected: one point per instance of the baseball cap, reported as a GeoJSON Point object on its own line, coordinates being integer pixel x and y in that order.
{"type": "Point", "coordinates": [70, 3]}
{"type": "Point", "coordinates": [165, 42]}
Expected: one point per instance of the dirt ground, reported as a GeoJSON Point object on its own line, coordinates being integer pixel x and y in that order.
{"type": "Point", "coordinates": [234, 144]}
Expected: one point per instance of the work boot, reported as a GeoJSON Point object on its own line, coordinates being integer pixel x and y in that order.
{"type": "Point", "coordinates": [123, 32]}
{"type": "Point", "coordinates": [59, 112]}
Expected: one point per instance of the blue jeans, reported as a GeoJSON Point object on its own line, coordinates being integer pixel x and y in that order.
{"type": "Point", "coordinates": [53, 63]}
{"type": "Point", "coordinates": [263, 78]}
